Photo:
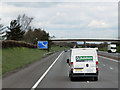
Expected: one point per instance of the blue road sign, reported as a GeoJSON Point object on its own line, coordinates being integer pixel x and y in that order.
{"type": "Point", "coordinates": [42, 44]}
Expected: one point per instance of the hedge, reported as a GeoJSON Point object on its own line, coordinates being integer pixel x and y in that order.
{"type": "Point", "coordinates": [13, 43]}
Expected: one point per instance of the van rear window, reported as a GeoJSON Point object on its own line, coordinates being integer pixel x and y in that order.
{"type": "Point", "coordinates": [84, 58]}
{"type": "Point", "coordinates": [113, 48]}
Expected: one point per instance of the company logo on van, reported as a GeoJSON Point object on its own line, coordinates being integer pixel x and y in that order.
{"type": "Point", "coordinates": [81, 58]}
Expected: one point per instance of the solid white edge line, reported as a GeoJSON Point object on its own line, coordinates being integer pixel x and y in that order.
{"type": "Point", "coordinates": [110, 59]}
{"type": "Point", "coordinates": [41, 78]}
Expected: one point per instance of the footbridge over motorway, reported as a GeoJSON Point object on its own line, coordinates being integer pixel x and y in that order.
{"type": "Point", "coordinates": [84, 40]}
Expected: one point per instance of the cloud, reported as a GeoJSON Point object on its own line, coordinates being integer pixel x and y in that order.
{"type": "Point", "coordinates": [98, 24]}
{"type": "Point", "coordinates": [60, 0]}
{"type": "Point", "coordinates": [84, 33]}
{"type": "Point", "coordinates": [10, 12]}
{"type": "Point", "coordinates": [66, 19]}
{"type": "Point", "coordinates": [32, 4]}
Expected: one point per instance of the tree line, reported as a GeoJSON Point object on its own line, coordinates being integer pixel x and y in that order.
{"type": "Point", "coordinates": [20, 29]}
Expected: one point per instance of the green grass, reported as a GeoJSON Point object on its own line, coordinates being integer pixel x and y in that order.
{"type": "Point", "coordinates": [57, 48]}
{"type": "Point", "coordinates": [103, 49]}
{"type": "Point", "coordinates": [14, 58]}
{"type": "Point", "coordinates": [118, 49]}
{"type": "Point", "coordinates": [0, 61]}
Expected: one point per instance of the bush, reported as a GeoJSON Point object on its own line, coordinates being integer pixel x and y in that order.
{"type": "Point", "coordinates": [13, 43]}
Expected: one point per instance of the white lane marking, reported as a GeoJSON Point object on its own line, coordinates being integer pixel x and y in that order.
{"type": "Point", "coordinates": [110, 59]}
{"type": "Point", "coordinates": [111, 68]}
{"type": "Point", "coordinates": [87, 81]}
{"type": "Point", "coordinates": [41, 78]}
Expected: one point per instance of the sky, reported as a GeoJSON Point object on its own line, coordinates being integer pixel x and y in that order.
{"type": "Point", "coordinates": [67, 19]}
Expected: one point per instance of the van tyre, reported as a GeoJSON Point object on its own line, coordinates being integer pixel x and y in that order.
{"type": "Point", "coordinates": [69, 75]}
{"type": "Point", "coordinates": [95, 78]}
{"type": "Point", "coordinates": [71, 78]}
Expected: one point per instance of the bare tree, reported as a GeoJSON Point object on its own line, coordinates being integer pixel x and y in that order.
{"type": "Point", "coordinates": [1, 28]}
{"type": "Point", "coordinates": [24, 21]}
{"type": "Point", "coordinates": [2, 32]}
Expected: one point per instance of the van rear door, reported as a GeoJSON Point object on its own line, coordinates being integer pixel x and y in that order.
{"type": "Point", "coordinates": [85, 62]}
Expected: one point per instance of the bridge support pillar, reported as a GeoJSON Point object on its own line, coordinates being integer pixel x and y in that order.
{"type": "Point", "coordinates": [84, 44]}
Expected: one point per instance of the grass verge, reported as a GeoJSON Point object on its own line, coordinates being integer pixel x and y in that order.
{"type": "Point", "coordinates": [103, 49]}
{"type": "Point", "coordinates": [14, 58]}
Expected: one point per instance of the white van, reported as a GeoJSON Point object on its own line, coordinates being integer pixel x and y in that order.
{"type": "Point", "coordinates": [112, 48]}
{"type": "Point", "coordinates": [83, 62]}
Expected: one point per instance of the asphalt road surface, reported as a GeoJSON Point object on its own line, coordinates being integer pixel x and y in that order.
{"type": "Point", "coordinates": [57, 76]}
{"type": "Point", "coordinates": [109, 54]}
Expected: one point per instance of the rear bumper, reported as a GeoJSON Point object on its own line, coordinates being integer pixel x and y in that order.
{"type": "Point", "coordinates": [84, 74]}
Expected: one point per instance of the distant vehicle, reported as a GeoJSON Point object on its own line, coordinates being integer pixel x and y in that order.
{"type": "Point", "coordinates": [65, 50]}
{"type": "Point", "coordinates": [83, 62]}
{"type": "Point", "coordinates": [112, 48]}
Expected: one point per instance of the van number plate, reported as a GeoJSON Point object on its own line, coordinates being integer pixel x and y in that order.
{"type": "Point", "coordinates": [78, 69]}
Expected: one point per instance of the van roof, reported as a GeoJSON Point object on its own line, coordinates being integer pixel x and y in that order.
{"type": "Point", "coordinates": [84, 51]}
{"type": "Point", "coordinates": [83, 48]}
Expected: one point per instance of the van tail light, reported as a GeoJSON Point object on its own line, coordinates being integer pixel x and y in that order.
{"type": "Point", "coordinates": [71, 69]}
{"type": "Point", "coordinates": [71, 63]}
{"type": "Point", "coordinates": [97, 65]}
{"type": "Point", "coordinates": [71, 66]}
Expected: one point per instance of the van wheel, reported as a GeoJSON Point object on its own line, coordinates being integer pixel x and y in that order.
{"type": "Point", "coordinates": [69, 75]}
{"type": "Point", "coordinates": [71, 78]}
{"type": "Point", "coordinates": [95, 78]}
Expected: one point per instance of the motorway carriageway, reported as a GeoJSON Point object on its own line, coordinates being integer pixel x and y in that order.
{"type": "Point", "coordinates": [52, 72]}
{"type": "Point", "coordinates": [112, 55]}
